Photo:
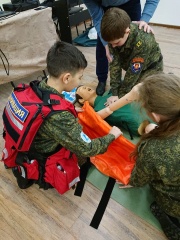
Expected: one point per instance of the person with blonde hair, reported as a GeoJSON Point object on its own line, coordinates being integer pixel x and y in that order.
{"type": "Point", "coordinates": [158, 152]}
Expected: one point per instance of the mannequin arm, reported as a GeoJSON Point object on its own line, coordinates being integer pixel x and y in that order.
{"type": "Point", "coordinates": [133, 95]}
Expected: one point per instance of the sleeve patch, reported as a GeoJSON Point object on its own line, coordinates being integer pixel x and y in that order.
{"type": "Point", "coordinates": [85, 138]}
{"type": "Point", "coordinates": [136, 67]}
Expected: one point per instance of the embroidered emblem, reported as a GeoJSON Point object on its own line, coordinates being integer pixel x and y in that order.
{"type": "Point", "coordinates": [85, 138]}
{"type": "Point", "coordinates": [136, 67]}
{"type": "Point", "coordinates": [138, 59]}
{"type": "Point", "coordinates": [139, 43]}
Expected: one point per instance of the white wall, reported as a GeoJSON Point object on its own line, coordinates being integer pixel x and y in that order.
{"type": "Point", "coordinates": [167, 12]}
{"type": "Point", "coordinates": [4, 1]}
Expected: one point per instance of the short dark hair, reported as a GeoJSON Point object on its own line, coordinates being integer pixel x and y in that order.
{"type": "Point", "coordinates": [114, 23]}
{"type": "Point", "coordinates": [64, 57]}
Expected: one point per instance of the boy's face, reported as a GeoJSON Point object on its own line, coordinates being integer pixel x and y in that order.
{"type": "Point", "coordinates": [74, 80]}
{"type": "Point", "coordinates": [86, 92]}
{"type": "Point", "coordinates": [121, 41]}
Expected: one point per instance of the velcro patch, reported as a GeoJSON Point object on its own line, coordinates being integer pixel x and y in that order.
{"type": "Point", "coordinates": [136, 67]}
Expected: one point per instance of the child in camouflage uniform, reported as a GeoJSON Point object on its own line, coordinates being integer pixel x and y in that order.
{"type": "Point", "coordinates": [132, 50]}
{"type": "Point", "coordinates": [65, 65]}
{"type": "Point", "coordinates": [158, 152]}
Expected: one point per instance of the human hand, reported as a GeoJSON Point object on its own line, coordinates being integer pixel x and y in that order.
{"type": "Point", "coordinates": [115, 131]}
{"type": "Point", "coordinates": [145, 26]}
{"type": "Point", "coordinates": [108, 55]}
{"type": "Point", "coordinates": [78, 109]}
{"type": "Point", "coordinates": [111, 100]}
{"type": "Point", "coordinates": [121, 185]}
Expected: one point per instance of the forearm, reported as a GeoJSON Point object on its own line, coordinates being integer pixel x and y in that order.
{"type": "Point", "coordinates": [126, 99]}
{"type": "Point", "coordinates": [149, 9]}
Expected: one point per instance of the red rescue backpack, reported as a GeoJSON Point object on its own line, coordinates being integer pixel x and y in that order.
{"type": "Point", "coordinates": [27, 107]}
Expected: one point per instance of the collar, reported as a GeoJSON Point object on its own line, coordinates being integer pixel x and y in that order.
{"type": "Point", "coordinates": [131, 38]}
{"type": "Point", "coordinates": [43, 85]}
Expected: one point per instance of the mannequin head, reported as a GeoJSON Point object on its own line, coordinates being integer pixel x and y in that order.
{"type": "Point", "coordinates": [85, 93]}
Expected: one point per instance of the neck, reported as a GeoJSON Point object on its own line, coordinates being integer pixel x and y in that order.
{"type": "Point", "coordinates": [55, 83]}
{"type": "Point", "coordinates": [92, 100]}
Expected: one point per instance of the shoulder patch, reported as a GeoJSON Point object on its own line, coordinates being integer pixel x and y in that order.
{"type": "Point", "coordinates": [85, 138]}
{"type": "Point", "coordinates": [136, 67]}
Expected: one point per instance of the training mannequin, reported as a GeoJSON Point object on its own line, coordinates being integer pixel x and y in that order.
{"type": "Point", "coordinates": [128, 117]}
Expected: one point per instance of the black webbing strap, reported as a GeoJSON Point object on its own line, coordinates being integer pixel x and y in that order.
{"type": "Point", "coordinates": [83, 174]}
{"type": "Point", "coordinates": [103, 203]}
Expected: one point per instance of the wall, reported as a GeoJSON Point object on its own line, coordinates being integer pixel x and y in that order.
{"type": "Point", "coordinates": [167, 12]}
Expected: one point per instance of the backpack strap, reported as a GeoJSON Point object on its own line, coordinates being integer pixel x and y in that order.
{"type": "Point", "coordinates": [83, 174]}
{"type": "Point", "coordinates": [103, 203]}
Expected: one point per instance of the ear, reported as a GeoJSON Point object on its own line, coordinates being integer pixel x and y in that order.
{"type": "Point", "coordinates": [66, 78]}
{"type": "Point", "coordinates": [156, 117]}
{"type": "Point", "coordinates": [127, 30]}
{"type": "Point", "coordinates": [81, 101]}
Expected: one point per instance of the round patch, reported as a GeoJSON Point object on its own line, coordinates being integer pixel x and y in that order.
{"type": "Point", "coordinates": [85, 138]}
{"type": "Point", "coordinates": [136, 67]}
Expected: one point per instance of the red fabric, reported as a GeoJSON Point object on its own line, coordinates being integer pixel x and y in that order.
{"type": "Point", "coordinates": [32, 170]}
{"type": "Point", "coordinates": [115, 162]}
{"type": "Point", "coordinates": [62, 170]}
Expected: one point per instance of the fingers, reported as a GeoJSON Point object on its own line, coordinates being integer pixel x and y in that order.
{"type": "Point", "coordinates": [116, 132]}
{"type": "Point", "coordinates": [109, 58]}
{"type": "Point", "coordinates": [78, 109]}
{"type": "Point", "coordinates": [125, 186]}
{"type": "Point", "coordinates": [110, 100]}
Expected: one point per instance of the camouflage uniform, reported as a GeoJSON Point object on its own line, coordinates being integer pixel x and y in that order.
{"type": "Point", "coordinates": [158, 165]}
{"type": "Point", "coordinates": [63, 128]}
{"type": "Point", "coordinates": [140, 55]}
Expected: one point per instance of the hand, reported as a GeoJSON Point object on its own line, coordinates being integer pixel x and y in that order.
{"type": "Point", "coordinates": [121, 185]}
{"type": "Point", "coordinates": [115, 131]}
{"type": "Point", "coordinates": [78, 109]}
{"type": "Point", "coordinates": [143, 24]}
{"type": "Point", "coordinates": [108, 55]}
{"type": "Point", "coordinates": [111, 100]}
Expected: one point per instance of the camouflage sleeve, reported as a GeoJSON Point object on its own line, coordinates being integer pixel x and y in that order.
{"type": "Point", "coordinates": [65, 129]}
{"type": "Point", "coordinates": [143, 171]}
{"type": "Point", "coordinates": [145, 52]}
{"type": "Point", "coordinates": [115, 72]}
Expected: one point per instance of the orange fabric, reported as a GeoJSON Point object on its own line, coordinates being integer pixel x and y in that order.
{"type": "Point", "coordinates": [115, 162]}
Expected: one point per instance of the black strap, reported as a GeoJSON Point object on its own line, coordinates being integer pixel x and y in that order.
{"type": "Point", "coordinates": [83, 174]}
{"type": "Point", "coordinates": [103, 203]}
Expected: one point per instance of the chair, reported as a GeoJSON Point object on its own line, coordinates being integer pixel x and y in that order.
{"type": "Point", "coordinates": [68, 13]}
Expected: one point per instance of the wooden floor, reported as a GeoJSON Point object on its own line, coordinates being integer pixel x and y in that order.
{"type": "Point", "coordinates": [35, 214]}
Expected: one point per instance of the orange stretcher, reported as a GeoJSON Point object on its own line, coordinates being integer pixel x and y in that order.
{"type": "Point", "coordinates": [115, 162]}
